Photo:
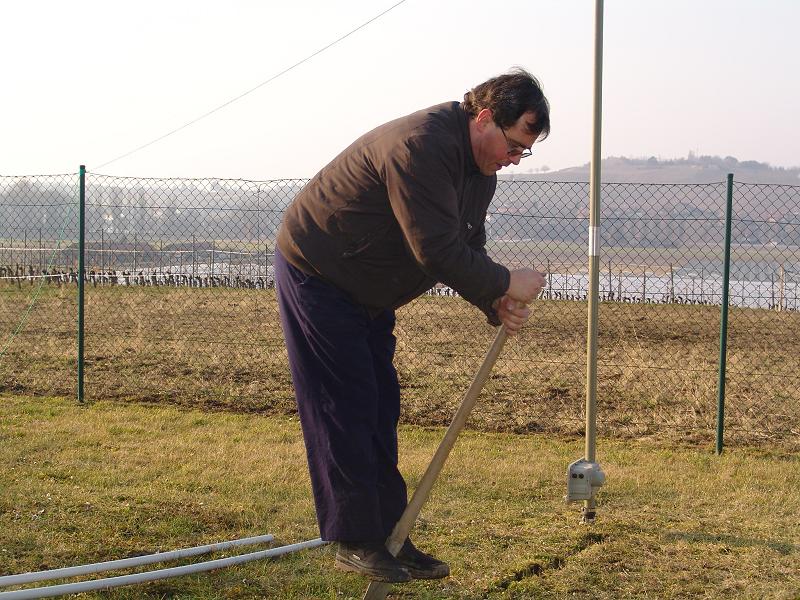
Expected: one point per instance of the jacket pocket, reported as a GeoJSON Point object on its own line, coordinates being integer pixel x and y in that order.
{"type": "Point", "coordinates": [361, 244]}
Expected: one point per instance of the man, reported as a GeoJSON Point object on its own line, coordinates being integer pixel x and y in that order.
{"type": "Point", "coordinates": [400, 209]}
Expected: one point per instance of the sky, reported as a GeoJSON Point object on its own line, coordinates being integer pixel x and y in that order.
{"type": "Point", "coordinates": [86, 82]}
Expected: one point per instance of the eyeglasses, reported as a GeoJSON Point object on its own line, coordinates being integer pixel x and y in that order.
{"type": "Point", "coordinates": [517, 149]}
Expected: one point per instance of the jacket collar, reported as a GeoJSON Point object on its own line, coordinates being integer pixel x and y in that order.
{"type": "Point", "coordinates": [469, 157]}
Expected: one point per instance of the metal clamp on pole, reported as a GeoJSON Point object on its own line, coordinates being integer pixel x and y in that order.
{"type": "Point", "coordinates": [584, 479]}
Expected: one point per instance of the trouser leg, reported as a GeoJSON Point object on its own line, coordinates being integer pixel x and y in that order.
{"type": "Point", "coordinates": [392, 493]}
{"type": "Point", "coordinates": [348, 403]}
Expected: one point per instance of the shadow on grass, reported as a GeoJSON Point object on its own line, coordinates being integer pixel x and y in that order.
{"type": "Point", "coordinates": [732, 540]}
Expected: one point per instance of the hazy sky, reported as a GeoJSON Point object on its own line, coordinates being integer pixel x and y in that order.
{"type": "Point", "coordinates": [84, 82]}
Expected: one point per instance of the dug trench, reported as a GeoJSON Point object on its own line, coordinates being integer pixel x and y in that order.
{"type": "Point", "coordinates": [538, 569]}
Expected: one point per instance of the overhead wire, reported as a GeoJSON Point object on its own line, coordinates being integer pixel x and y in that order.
{"type": "Point", "coordinates": [251, 90]}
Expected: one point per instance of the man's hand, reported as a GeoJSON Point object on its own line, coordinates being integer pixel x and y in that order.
{"type": "Point", "coordinates": [511, 313]}
{"type": "Point", "coordinates": [525, 285]}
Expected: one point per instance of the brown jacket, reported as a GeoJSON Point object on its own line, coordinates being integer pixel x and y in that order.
{"type": "Point", "coordinates": [400, 209]}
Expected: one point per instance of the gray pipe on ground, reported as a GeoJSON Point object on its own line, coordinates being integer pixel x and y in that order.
{"type": "Point", "coordinates": [126, 563]}
{"type": "Point", "coordinates": [110, 582]}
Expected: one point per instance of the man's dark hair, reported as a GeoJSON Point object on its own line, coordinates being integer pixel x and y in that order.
{"type": "Point", "coordinates": [509, 97]}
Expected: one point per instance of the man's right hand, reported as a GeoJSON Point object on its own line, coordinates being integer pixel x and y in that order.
{"type": "Point", "coordinates": [511, 313]}
{"type": "Point", "coordinates": [525, 285]}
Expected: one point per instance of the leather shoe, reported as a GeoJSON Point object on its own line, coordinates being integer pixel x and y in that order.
{"type": "Point", "coordinates": [421, 565]}
{"type": "Point", "coordinates": [371, 559]}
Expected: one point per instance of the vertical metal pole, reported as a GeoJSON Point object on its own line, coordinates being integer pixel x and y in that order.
{"type": "Point", "coordinates": [644, 284]}
{"type": "Point", "coordinates": [213, 252]}
{"type": "Point", "coordinates": [594, 255]}
{"type": "Point", "coordinates": [671, 283]}
{"type": "Point", "coordinates": [702, 285]}
{"type": "Point", "coordinates": [772, 304]}
{"type": "Point", "coordinates": [81, 270]}
{"type": "Point", "coordinates": [723, 329]}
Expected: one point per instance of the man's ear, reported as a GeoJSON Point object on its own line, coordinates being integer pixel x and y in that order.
{"type": "Point", "coordinates": [484, 118]}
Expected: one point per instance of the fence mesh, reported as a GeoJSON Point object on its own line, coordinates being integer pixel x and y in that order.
{"type": "Point", "coordinates": [180, 305]}
{"type": "Point", "coordinates": [763, 354]}
{"type": "Point", "coordinates": [38, 277]}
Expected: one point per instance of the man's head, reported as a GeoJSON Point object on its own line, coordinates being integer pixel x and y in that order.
{"type": "Point", "coordinates": [508, 114]}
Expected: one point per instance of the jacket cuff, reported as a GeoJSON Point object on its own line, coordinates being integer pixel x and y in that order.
{"type": "Point", "coordinates": [491, 314]}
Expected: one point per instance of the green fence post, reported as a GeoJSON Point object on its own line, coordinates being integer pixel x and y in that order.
{"type": "Point", "coordinates": [723, 330]}
{"type": "Point", "coordinates": [81, 269]}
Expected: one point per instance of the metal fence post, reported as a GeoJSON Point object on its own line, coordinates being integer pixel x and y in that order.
{"type": "Point", "coordinates": [81, 268]}
{"type": "Point", "coordinates": [723, 333]}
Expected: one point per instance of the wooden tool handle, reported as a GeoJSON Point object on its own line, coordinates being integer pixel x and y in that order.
{"type": "Point", "coordinates": [378, 590]}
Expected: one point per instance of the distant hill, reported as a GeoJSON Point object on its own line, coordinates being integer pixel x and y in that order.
{"type": "Point", "coordinates": [692, 169]}
{"type": "Point", "coordinates": [647, 202]}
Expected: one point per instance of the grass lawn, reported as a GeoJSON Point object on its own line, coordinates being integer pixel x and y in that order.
{"type": "Point", "coordinates": [112, 480]}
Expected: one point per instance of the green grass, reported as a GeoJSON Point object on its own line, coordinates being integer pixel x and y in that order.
{"type": "Point", "coordinates": [111, 480]}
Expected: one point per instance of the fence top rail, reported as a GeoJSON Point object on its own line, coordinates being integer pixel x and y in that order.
{"type": "Point", "coordinates": [295, 180]}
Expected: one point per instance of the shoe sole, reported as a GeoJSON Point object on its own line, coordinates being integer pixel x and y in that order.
{"type": "Point", "coordinates": [374, 575]}
{"type": "Point", "coordinates": [432, 574]}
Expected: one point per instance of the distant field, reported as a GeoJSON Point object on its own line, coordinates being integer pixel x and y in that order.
{"type": "Point", "coordinates": [152, 251]}
{"type": "Point", "coordinates": [113, 480]}
{"type": "Point", "coordinates": [558, 250]}
{"type": "Point", "coordinates": [222, 349]}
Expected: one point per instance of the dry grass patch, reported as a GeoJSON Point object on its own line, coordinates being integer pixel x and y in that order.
{"type": "Point", "coordinates": [219, 348]}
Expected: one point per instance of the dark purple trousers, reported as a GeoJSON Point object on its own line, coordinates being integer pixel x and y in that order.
{"type": "Point", "coordinates": [348, 399]}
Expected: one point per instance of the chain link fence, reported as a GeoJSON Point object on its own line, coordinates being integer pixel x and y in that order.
{"type": "Point", "coordinates": [180, 305]}
{"type": "Point", "coordinates": [38, 277]}
{"type": "Point", "coordinates": [764, 331]}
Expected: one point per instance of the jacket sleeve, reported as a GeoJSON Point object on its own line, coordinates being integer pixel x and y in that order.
{"type": "Point", "coordinates": [478, 243]}
{"type": "Point", "coordinates": [419, 177]}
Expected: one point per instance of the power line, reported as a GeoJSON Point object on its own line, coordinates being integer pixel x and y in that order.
{"type": "Point", "coordinates": [251, 90]}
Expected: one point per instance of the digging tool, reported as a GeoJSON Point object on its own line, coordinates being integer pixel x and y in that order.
{"type": "Point", "coordinates": [378, 590]}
